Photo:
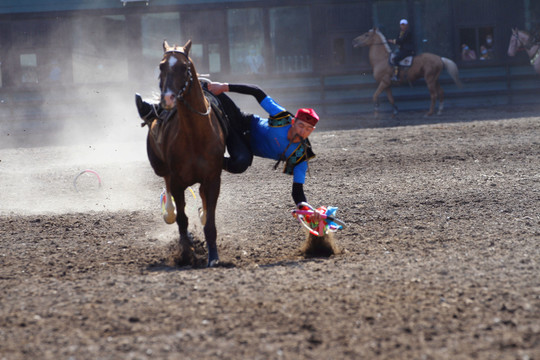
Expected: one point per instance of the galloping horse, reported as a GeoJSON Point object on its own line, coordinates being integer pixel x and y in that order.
{"type": "Point", "coordinates": [523, 40]}
{"type": "Point", "coordinates": [190, 150]}
{"type": "Point", "coordinates": [426, 65]}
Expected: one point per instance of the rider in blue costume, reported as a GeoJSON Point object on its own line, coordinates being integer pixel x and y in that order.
{"type": "Point", "coordinates": [281, 137]}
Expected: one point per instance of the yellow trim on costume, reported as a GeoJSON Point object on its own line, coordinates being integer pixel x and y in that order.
{"type": "Point", "coordinates": [535, 57]}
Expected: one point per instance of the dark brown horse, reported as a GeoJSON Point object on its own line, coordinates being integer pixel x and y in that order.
{"type": "Point", "coordinates": [189, 149]}
{"type": "Point", "coordinates": [426, 65]}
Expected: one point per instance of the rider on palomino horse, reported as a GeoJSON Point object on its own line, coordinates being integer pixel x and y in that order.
{"type": "Point", "coordinates": [405, 42]}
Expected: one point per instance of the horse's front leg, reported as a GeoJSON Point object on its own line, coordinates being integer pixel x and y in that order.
{"type": "Point", "coordinates": [168, 209]}
{"type": "Point", "coordinates": [209, 194]}
{"type": "Point", "coordinates": [186, 243]}
{"type": "Point", "coordinates": [382, 86]}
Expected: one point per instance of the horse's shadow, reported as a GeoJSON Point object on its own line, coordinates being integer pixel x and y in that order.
{"type": "Point", "coordinates": [315, 249]}
{"type": "Point", "coordinates": [164, 266]}
{"type": "Point", "coordinates": [174, 260]}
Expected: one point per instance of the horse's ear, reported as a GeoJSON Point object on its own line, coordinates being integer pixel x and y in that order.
{"type": "Point", "coordinates": [165, 46]}
{"type": "Point", "coordinates": [374, 28]}
{"type": "Point", "coordinates": [187, 47]}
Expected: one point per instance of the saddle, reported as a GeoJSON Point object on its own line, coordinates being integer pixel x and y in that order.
{"type": "Point", "coordinates": [406, 62]}
{"type": "Point", "coordinates": [217, 108]}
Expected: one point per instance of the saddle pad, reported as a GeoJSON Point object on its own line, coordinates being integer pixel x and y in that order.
{"type": "Point", "coordinates": [407, 61]}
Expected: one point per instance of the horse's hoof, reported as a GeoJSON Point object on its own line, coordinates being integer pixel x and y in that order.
{"type": "Point", "coordinates": [213, 263]}
{"type": "Point", "coordinates": [169, 218]}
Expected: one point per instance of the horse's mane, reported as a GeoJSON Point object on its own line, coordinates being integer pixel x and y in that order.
{"type": "Point", "coordinates": [383, 40]}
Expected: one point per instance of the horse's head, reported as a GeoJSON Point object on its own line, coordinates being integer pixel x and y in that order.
{"type": "Point", "coordinates": [176, 73]}
{"type": "Point", "coordinates": [366, 39]}
{"type": "Point", "coordinates": [373, 37]}
{"type": "Point", "coordinates": [518, 40]}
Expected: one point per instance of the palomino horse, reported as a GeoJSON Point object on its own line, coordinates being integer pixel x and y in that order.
{"type": "Point", "coordinates": [190, 150]}
{"type": "Point", "coordinates": [426, 65]}
{"type": "Point", "coordinates": [522, 40]}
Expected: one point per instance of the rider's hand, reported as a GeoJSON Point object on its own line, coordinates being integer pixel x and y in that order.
{"type": "Point", "coordinates": [313, 218]}
{"type": "Point", "coordinates": [218, 88]}
{"type": "Point", "coordinates": [316, 217]}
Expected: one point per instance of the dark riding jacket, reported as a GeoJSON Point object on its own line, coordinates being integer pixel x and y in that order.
{"type": "Point", "coordinates": [405, 43]}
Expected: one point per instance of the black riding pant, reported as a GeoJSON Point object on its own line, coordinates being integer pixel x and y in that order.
{"type": "Point", "coordinates": [238, 146]}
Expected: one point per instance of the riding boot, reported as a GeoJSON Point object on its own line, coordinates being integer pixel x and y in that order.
{"type": "Point", "coordinates": [147, 111]}
{"type": "Point", "coordinates": [395, 78]}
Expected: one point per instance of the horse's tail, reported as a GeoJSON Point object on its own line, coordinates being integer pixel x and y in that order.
{"type": "Point", "coordinates": [453, 70]}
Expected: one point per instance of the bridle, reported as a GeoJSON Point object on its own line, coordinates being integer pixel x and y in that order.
{"type": "Point", "coordinates": [185, 89]}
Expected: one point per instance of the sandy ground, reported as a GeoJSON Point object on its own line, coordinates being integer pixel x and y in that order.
{"type": "Point", "coordinates": [440, 258]}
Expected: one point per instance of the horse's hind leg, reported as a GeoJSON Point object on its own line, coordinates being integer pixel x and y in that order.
{"type": "Point", "coordinates": [440, 96]}
{"type": "Point", "coordinates": [209, 194]}
{"type": "Point", "coordinates": [432, 87]}
{"type": "Point", "coordinates": [391, 101]}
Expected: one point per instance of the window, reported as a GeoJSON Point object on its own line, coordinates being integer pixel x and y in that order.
{"type": "Point", "coordinates": [28, 63]}
{"type": "Point", "coordinates": [158, 27]}
{"type": "Point", "coordinates": [246, 41]}
{"type": "Point", "coordinates": [476, 43]}
{"type": "Point", "coordinates": [154, 29]}
{"type": "Point", "coordinates": [214, 56]}
{"type": "Point", "coordinates": [99, 50]}
{"type": "Point", "coordinates": [291, 53]}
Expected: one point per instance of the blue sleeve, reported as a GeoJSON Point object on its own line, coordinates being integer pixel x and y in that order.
{"type": "Point", "coordinates": [299, 172]}
{"type": "Point", "coordinates": [271, 107]}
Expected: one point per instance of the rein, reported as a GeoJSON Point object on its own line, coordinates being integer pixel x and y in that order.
{"type": "Point", "coordinates": [185, 89]}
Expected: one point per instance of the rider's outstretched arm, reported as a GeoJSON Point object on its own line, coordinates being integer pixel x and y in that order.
{"type": "Point", "coordinates": [266, 102]}
{"type": "Point", "coordinates": [298, 193]}
{"type": "Point", "coordinates": [248, 89]}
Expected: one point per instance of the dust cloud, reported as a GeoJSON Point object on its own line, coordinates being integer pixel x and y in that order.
{"type": "Point", "coordinates": [41, 155]}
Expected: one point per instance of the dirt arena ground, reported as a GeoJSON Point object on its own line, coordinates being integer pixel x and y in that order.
{"type": "Point", "coordinates": [440, 259]}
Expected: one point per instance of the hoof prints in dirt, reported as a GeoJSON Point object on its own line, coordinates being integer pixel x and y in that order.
{"type": "Point", "coordinates": [440, 258]}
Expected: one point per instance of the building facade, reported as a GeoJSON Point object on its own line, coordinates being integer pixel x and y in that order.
{"type": "Point", "coordinates": [76, 43]}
